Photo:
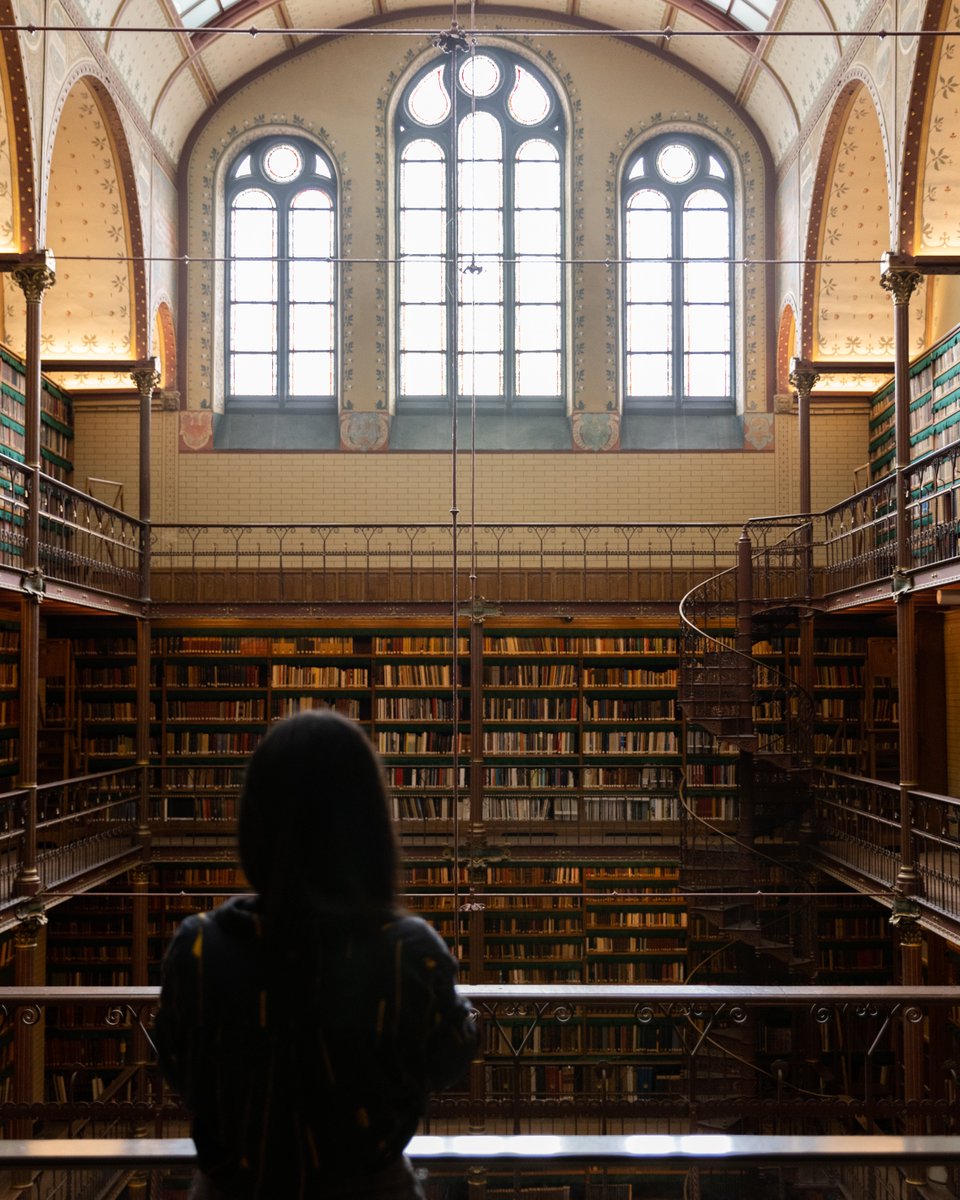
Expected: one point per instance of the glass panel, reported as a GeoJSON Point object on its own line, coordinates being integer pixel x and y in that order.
{"type": "Point", "coordinates": [311, 327]}
{"type": "Point", "coordinates": [538, 280]}
{"type": "Point", "coordinates": [252, 198]}
{"type": "Point", "coordinates": [312, 281]}
{"type": "Point", "coordinates": [243, 168]}
{"type": "Point", "coordinates": [705, 282]}
{"type": "Point", "coordinates": [707, 375]}
{"type": "Point", "coordinates": [706, 234]}
{"type": "Point", "coordinates": [537, 184]}
{"type": "Point", "coordinates": [706, 198]}
{"type": "Point", "coordinates": [529, 102]}
{"type": "Point", "coordinates": [311, 374]}
{"type": "Point", "coordinates": [311, 232]}
{"type": "Point", "coordinates": [422, 282]}
{"type": "Point", "coordinates": [651, 282]}
{"type": "Point", "coordinates": [481, 374]}
{"type": "Point", "coordinates": [253, 375]}
{"type": "Point", "coordinates": [677, 162]}
{"type": "Point", "coordinates": [429, 102]}
{"type": "Point", "coordinates": [648, 375]}
{"type": "Point", "coordinates": [421, 232]}
{"type": "Point", "coordinates": [480, 137]}
{"type": "Point", "coordinates": [480, 184]}
{"type": "Point", "coordinates": [479, 75]}
{"type": "Point", "coordinates": [716, 168]}
{"type": "Point", "coordinates": [481, 232]}
{"type": "Point", "coordinates": [484, 286]}
{"type": "Point", "coordinates": [649, 233]}
{"type": "Point", "coordinates": [422, 327]}
{"type": "Point", "coordinates": [481, 328]}
{"type": "Point", "coordinates": [282, 162]}
{"type": "Point", "coordinates": [649, 327]}
{"type": "Point", "coordinates": [423, 184]}
{"type": "Point", "coordinates": [639, 168]}
{"type": "Point", "coordinates": [538, 327]}
{"type": "Point", "coordinates": [537, 231]}
{"type": "Point", "coordinates": [253, 326]}
{"type": "Point", "coordinates": [201, 13]}
{"type": "Point", "coordinates": [707, 327]}
{"type": "Point", "coordinates": [422, 150]}
{"type": "Point", "coordinates": [422, 374]}
{"type": "Point", "coordinates": [321, 167]}
{"type": "Point", "coordinates": [254, 233]}
{"type": "Point", "coordinates": [253, 280]}
{"type": "Point", "coordinates": [538, 374]}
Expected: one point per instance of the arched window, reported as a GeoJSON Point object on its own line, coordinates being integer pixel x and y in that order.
{"type": "Point", "coordinates": [281, 277]}
{"type": "Point", "coordinates": [678, 238]}
{"type": "Point", "coordinates": [480, 248]}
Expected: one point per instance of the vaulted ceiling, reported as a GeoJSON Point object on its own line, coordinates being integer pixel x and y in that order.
{"type": "Point", "coordinates": [771, 57]}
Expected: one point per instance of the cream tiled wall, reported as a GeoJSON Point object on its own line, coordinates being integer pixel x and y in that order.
{"type": "Point", "coordinates": [632, 486]}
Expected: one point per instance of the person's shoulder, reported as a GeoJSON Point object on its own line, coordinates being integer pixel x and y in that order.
{"type": "Point", "coordinates": [416, 935]}
{"type": "Point", "coordinates": [239, 916]}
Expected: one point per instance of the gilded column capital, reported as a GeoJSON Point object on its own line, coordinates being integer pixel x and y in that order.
{"type": "Point", "coordinates": [146, 378]}
{"type": "Point", "coordinates": [804, 380]}
{"type": "Point", "coordinates": [30, 920]}
{"type": "Point", "coordinates": [34, 280]}
{"type": "Point", "coordinates": [901, 282]}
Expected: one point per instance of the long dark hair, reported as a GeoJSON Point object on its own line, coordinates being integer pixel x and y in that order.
{"type": "Point", "coordinates": [315, 832]}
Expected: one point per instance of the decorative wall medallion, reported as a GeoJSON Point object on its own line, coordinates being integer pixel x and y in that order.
{"type": "Point", "coordinates": [595, 431]}
{"type": "Point", "coordinates": [364, 431]}
{"type": "Point", "coordinates": [758, 431]}
{"type": "Point", "coordinates": [196, 430]}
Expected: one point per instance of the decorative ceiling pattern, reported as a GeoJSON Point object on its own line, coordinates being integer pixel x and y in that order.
{"type": "Point", "coordinates": [939, 224]}
{"type": "Point", "coordinates": [853, 315]}
{"type": "Point", "coordinates": [174, 78]}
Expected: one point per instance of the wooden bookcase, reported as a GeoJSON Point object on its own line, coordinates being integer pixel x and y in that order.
{"type": "Point", "coordinates": [9, 702]}
{"type": "Point", "coordinates": [56, 420]}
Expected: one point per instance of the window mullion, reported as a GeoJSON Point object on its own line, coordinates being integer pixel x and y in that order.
{"type": "Point", "coordinates": [679, 307]}
{"type": "Point", "coordinates": [509, 218]}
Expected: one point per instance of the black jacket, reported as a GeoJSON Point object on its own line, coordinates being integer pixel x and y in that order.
{"type": "Point", "coordinates": [292, 1077]}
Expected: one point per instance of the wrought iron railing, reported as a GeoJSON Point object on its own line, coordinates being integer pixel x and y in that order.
{"type": "Point", "coordinates": [572, 1059]}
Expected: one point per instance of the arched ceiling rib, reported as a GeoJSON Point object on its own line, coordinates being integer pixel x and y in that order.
{"type": "Point", "coordinates": [175, 77]}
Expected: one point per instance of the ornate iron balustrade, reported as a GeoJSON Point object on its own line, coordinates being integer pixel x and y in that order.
{"type": "Point", "coordinates": [82, 540]}
{"type": "Point", "coordinates": [832, 1065]}
{"type": "Point", "coordinates": [83, 825]}
{"type": "Point", "coordinates": [594, 562]}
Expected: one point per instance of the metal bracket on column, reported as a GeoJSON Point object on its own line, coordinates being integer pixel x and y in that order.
{"type": "Point", "coordinates": [34, 585]}
{"type": "Point", "coordinates": [900, 583]}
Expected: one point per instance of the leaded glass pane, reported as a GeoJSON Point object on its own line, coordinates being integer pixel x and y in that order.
{"type": "Point", "coordinates": [312, 281]}
{"type": "Point", "coordinates": [423, 327]}
{"type": "Point", "coordinates": [707, 327]}
{"type": "Point", "coordinates": [706, 282]}
{"type": "Point", "coordinates": [421, 233]}
{"type": "Point", "coordinates": [481, 374]}
{"type": "Point", "coordinates": [429, 102]}
{"type": "Point", "coordinates": [651, 282]}
{"type": "Point", "coordinates": [422, 374]}
{"type": "Point", "coordinates": [480, 137]}
{"type": "Point", "coordinates": [529, 101]}
{"type": "Point", "coordinates": [481, 328]}
{"type": "Point", "coordinates": [538, 231]}
{"type": "Point", "coordinates": [479, 75]}
{"type": "Point", "coordinates": [649, 233]}
{"type": "Point", "coordinates": [480, 185]}
{"type": "Point", "coordinates": [311, 374]}
{"type": "Point", "coordinates": [253, 375]}
{"type": "Point", "coordinates": [708, 375]}
{"type": "Point", "coordinates": [484, 286]}
{"type": "Point", "coordinates": [649, 327]}
{"type": "Point", "coordinates": [422, 184]}
{"type": "Point", "coordinates": [253, 326]}
{"type": "Point", "coordinates": [537, 185]}
{"type": "Point", "coordinates": [538, 327]}
{"type": "Point", "coordinates": [538, 374]}
{"type": "Point", "coordinates": [253, 279]}
{"type": "Point", "coordinates": [311, 327]}
{"type": "Point", "coordinates": [538, 279]}
{"type": "Point", "coordinates": [423, 282]}
{"type": "Point", "coordinates": [481, 232]}
{"type": "Point", "coordinates": [677, 163]}
{"type": "Point", "coordinates": [282, 162]}
{"type": "Point", "coordinates": [706, 235]}
{"type": "Point", "coordinates": [649, 375]}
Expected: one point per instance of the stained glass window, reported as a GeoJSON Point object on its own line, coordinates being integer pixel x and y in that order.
{"type": "Point", "coordinates": [281, 277]}
{"type": "Point", "coordinates": [677, 290]}
{"type": "Point", "coordinates": [480, 141]}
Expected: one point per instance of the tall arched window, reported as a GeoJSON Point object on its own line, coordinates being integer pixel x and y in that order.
{"type": "Point", "coordinates": [480, 284]}
{"type": "Point", "coordinates": [678, 238]}
{"type": "Point", "coordinates": [281, 277]}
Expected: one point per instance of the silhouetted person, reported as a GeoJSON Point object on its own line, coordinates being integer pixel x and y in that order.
{"type": "Point", "coordinates": [304, 1026]}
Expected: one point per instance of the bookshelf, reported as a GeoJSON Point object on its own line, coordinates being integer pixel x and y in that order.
{"type": "Point", "coordinates": [56, 420]}
{"type": "Point", "coordinates": [9, 702]}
